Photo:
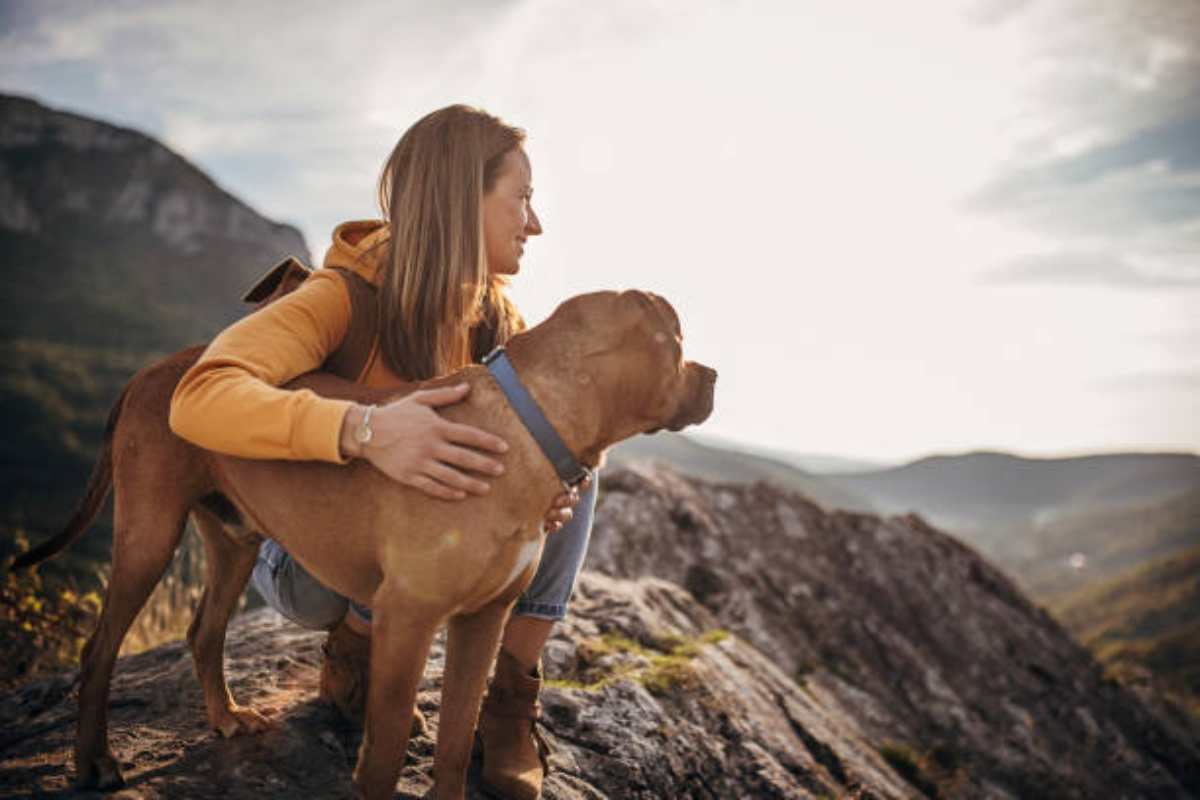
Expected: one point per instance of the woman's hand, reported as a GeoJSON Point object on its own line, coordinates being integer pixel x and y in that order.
{"type": "Point", "coordinates": [560, 512]}
{"type": "Point", "coordinates": [412, 444]}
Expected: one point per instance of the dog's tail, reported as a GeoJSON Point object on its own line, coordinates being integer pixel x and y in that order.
{"type": "Point", "coordinates": [91, 502]}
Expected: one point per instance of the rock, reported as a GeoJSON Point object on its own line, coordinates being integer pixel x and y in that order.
{"type": "Point", "coordinates": [925, 645]}
{"type": "Point", "coordinates": [649, 699]}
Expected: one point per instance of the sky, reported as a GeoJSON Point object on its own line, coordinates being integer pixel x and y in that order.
{"type": "Point", "coordinates": [895, 229]}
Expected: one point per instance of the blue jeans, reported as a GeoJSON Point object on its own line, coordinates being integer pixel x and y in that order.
{"type": "Point", "coordinates": [293, 592]}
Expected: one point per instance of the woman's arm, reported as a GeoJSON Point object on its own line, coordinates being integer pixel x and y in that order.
{"type": "Point", "coordinates": [229, 401]}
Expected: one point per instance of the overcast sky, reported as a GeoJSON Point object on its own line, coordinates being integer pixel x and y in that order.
{"type": "Point", "coordinates": [894, 228]}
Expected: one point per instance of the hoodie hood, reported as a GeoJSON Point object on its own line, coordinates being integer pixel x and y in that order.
{"type": "Point", "coordinates": [359, 246]}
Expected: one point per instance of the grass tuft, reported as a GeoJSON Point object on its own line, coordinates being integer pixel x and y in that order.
{"type": "Point", "coordinates": [662, 668]}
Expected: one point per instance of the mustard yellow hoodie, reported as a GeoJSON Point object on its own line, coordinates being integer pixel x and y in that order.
{"type": "Point", "coordinates": [229, 401]}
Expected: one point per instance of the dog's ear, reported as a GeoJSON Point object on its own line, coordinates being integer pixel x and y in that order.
{"type": "Point", "coordinates": [277, 281]}
{"type": "Point", "coordinates": [657, 306]}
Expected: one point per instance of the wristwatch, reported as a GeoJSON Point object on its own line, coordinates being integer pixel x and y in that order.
{"type": "Point", "coordinates": [363, 433]}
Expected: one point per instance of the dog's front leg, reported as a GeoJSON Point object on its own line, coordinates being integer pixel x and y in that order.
{"type": "Point", "coordinates": [471, 647]}
{"type": "Point", "coordinates": [401, 633]}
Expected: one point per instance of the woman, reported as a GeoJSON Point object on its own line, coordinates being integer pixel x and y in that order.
{"type": "Point", "coordinates": [456, 199]}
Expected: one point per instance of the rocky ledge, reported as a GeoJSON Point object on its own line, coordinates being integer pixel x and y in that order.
{"type": "Point", "coordinates": [647, 697]}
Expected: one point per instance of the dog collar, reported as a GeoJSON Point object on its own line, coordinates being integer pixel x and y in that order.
{"type": "Point", "coordinates": [569, 470]}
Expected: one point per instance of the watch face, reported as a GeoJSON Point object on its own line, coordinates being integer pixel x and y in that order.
{"type": "Point", "coordinates": [363, 434]}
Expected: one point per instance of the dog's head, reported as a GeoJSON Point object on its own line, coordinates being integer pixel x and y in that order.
{"type": "Point", "coordinates": [684, 393]}
{"type": "Point", "coordinates": [631, 344]}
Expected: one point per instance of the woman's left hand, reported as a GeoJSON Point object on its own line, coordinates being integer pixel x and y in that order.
{"type": "Point", "coordinates": [560, 512]}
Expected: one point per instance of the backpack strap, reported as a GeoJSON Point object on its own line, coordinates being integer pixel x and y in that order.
{"type": "Point", "coordinates": [350, 359]}
{"type": "Point", "coordinates": [276, 282]}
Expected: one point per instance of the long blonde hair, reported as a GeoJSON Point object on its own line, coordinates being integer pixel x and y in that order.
{"type": "Point", "coordinates": [439, 308]}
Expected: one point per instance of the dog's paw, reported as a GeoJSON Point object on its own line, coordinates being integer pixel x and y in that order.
{"type": "Point", "coordinates": [100, 772]}
{"type": "Point", "coordinates": [237, 720]}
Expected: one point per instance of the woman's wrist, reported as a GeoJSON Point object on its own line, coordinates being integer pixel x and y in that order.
{"type": "Point", "coordinates": [349, 443]}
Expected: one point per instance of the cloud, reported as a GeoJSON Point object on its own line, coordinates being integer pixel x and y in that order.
{"type": "Point", "coordinates": [1147, 178]}
{"type": "Point", "coordinates": [994, 12]}
{"type": "Point", "coordinates": [1095, 268]}
{"type": "Point", "coordinates": [1103, 170]}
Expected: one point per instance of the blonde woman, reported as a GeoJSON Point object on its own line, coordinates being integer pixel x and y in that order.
{"type": "Point", "coordinates": [456, 195]}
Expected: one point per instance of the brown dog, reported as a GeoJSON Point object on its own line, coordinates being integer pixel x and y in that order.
{"type": "Point", "coordinates": [603, 367]}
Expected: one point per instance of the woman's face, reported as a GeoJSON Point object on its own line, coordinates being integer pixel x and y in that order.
{"type": "Point", "coordinates": [508, 216]}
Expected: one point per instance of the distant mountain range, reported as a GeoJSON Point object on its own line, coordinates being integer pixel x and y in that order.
{"type": "Point", "coordinates": [1054, 524]}
{"type": "Point", "coordinates": [816, 463]}
{"type": "Point", "coordinates": [983, 490]}
{"type": "Point", "coordinates": [703, 459]}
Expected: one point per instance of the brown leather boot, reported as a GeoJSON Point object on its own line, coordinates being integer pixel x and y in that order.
{"type": "Point", "coordinates": [345, 671]}
{"type": "Point", "coordinates": [345, 674]}
{"type": "Point", "coordinates": [515, 756]}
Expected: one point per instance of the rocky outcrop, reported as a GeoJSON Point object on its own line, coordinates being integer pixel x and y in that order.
{"type": "Point", "coordinates": [811, 654]}
{"type": "Point", "coordinates": [647, 698]}
{"type": "Point", "coordinates": [924, 643]}
{"type": "Point", "coordinates": [56, 164]}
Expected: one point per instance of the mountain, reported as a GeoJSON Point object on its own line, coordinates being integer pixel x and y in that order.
{"type": "Point", "coordinates": [731, 640]}
{"type": "Point", "coordinates": [115, 250]}
{"type": "Point", "coordinates": [983, 490]}
{"type": "Point", "coordinates": [817, 463]}
{"type": "Point", "coordinates": [694, 456]}
{"type": "Point", "coordinates": [111, 239]}
{"type": "Point", "coordinates": [1053, 523]}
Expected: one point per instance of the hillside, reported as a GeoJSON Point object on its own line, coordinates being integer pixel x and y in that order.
{"type": "Point", "coordinates": [1145, 625]}
{"type": "Point", "coordinates": [1057, 524]}
{"type": "Point", "coordinates": [115, 250]}
{"type": "Point", "coordinates": [982, 492]}
{"type": "Point", "coordinates": [814, 463]}
{"type": "Point", "coordinates": [1088, 548]}
{"type": "Point", "coordinates": [724, 463]}
{"type": "Point", "coordinates": [783, 651]}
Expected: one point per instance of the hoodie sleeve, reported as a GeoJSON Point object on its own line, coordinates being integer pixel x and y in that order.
{"type": "Point", "coordinates": [229, 401]}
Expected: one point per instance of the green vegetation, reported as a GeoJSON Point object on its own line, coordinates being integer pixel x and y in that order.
{"type": "Point", "coordinates": [46, 615]}
{"type": "Point", "coordinates": [1146, 619]}
{"type": "Point", "coordinates": [662, 668]}
{"type": "Point", "coordinates": [43, 626]}
{"type": "Point", "coordinates": [805, 669]}
{"type": "Point", "coordinates": [1115, 542]}
{"type": "Point", "coordinates": [937, 772]}
{"type": "Point", "coordinates": [909, 766]}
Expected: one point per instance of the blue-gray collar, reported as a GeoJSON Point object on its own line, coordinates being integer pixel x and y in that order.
{"type": "Point", "coordinates": [569, 470]}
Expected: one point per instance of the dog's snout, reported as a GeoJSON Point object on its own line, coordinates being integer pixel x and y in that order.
{"type": "Point", "coordinates": [699, 403]}
{"type": "Point", "coordinates": [707, 375]}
